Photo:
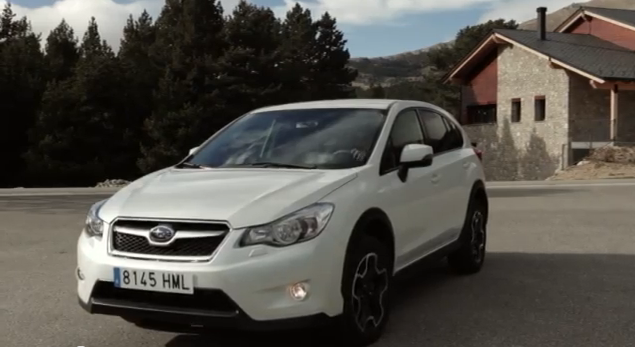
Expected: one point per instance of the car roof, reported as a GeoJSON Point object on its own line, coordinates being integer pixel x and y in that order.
{"type": "Point", "coordinates": [376, 104]}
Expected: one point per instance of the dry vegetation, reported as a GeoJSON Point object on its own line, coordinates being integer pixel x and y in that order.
{"type": "Point", "coordinates": [606, 162]}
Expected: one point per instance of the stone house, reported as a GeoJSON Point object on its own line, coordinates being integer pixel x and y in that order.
{"type": "Point", "coordinates": [537, 101]}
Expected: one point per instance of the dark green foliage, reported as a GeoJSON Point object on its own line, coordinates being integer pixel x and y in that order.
{"type": "Point", "coordinates": [187, 103]}
{"type": "Point", "coordinates": [251, 73]}
{"type": "Point", "coordinates": [62, 52]}
{"type": "Point", "coordinates": [21, 85]}
{"type": "Point", "coordinates": [297, 53]}
{"type": "Point", "coordinates": [331, 76]}
{"type": "Point", "coordinates": [80, 133]}
{"type": "Point", "coordinates": [140, 75]}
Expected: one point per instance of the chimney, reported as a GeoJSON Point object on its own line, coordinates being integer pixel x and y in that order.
{"type": "Point", "coordinates": [542, 23]}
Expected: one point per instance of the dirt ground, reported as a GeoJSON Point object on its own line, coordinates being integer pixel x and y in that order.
{"type": "Point", "coordinates": [606, 162]}
{"type": "Point", "coordinates": [595, 170]}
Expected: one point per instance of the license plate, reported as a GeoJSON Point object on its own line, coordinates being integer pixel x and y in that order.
{"type": "Point", "coordinates": [157, 281]}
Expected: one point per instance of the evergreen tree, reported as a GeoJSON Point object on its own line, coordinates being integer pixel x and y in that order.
{"type": "Point", "coordinates": [331, 77]}
{"type": "Point", "coordinates": [140, 75]}
{"type": "Point", "coordinates": [298, 54]}
{"type": "Point", "coordinates": [21, 85]}
{"type": "Point", "coordinates": [251, 76]}
{"type": "Point", "coordinates": [62, 52]}
{"type": "Point", "coordinates": [188, 108]}
{"type": "Point", "coordinates": [81, 136]}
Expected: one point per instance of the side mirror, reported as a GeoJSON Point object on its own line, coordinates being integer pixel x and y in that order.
{"type": "Point", "coordinates": [416, 155]}
{"type": "Point", "coordinates": [193, 150]}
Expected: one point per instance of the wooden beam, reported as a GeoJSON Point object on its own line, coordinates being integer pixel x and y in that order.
{"type": "Point", "coordinates": [614, 112]}
{"type": "Point", "coordinates": [610, 85]}
{"type": "Point", "coordinates": [555, 66]}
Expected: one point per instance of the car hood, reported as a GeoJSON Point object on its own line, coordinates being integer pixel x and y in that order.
{"type": "Point", "coordinates": [243, 197]}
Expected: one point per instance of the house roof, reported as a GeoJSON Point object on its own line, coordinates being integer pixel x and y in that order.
{"type": "Point", "coordinates": [585, 52]}
{"type": "Point", "coordinates": [622, 17]}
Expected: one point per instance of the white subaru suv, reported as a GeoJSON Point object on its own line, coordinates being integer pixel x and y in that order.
{"type": "Point", "coordinates": [291, 215]}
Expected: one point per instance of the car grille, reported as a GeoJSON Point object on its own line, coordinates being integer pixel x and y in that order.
{"type": "Point", "coordinates": [130, 238]}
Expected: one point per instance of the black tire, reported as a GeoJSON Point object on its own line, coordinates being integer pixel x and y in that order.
{"type": "Point", "coordinates": [365, 251]}
{"type": "Point", "coordinates": [470, 256]}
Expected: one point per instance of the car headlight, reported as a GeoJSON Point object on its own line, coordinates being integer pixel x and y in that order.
{"type": "Point", "coordinates": [94, 226]}
{"type": "Point", "coordinates": [299, 226]}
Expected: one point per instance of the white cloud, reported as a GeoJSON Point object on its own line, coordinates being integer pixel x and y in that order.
{"type": "Point", "coordinates": [111, 16]}
{"type": "Point", "coordinates": [521, 10]}
{"type": "Point", "coordinates": [380, 12]}
{"type": "Point", "coordinates": [377, 12]}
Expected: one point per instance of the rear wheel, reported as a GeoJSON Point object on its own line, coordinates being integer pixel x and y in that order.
{"type": "Point", "coordinates": [366, 289]}
{"type": "Point", "coordinates": [470, 256]}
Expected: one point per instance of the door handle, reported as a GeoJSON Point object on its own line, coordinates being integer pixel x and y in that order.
{"type": "Point", "coordinates": [435, 178]}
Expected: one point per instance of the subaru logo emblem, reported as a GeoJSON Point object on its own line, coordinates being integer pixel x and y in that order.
{"type": "Point", "coordinates": [161, 233]}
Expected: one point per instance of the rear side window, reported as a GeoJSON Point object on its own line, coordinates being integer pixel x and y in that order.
{"type": "Point", "coordinates": [441, 134]}
{"type": "Point", "coordinates": [455, 136]}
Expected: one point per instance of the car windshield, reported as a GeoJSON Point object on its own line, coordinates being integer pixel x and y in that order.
{"type": "Point", "coordinates": [303, 138]}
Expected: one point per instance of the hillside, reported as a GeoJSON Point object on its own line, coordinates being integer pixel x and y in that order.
{"type": "Point", "coordinates": [410, 65]}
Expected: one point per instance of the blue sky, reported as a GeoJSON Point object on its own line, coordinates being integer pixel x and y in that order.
{"type": "Point", "coordinates": [372, 27]}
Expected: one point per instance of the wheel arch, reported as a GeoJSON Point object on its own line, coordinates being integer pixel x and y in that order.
{"type": "Point", "coordinates": [374, 222]}
{"type": "Point", "coordinates": [480, 193]}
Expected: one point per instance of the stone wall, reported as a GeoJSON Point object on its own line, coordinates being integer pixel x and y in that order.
{"type": "Point", "coordinates": [529, 149]}
{"type": "Point", "coordinates": [590, 111]}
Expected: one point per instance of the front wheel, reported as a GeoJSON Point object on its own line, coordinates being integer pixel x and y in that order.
{"type": "Point", "coordinates": [366, 290]}
{"type": "Point", "coordinates": [470, 256]}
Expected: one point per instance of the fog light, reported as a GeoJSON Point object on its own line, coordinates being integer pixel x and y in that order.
{"type": "Point", "coordinates": [299, 291]}
{"type": "Point", "coordinates": [80, 275]}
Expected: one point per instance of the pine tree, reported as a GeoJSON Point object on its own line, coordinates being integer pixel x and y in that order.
{"type": "Point", "coordinates": [140, 74]}
{"type": "Point", "coordinates": [250, 77]}
{"type": "Point", "coordinates": [298, 54]}
{"type": "Point", "coordinates": [187, 105]}
{"type": "Point", "coordinates": [21, 85]}
{"type": "Point", "coordinates": [62, 52]}
{"type": "Point", "coordinates": [81, 136]}
{"type": "Point", "coordinates": [331, 75]}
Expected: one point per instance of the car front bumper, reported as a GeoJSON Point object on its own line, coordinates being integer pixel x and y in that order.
{"type": "Point", "coordinates": [246, 288]}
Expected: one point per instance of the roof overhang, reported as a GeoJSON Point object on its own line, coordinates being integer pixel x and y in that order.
{"type": "Point", "coordinates": [617, 85]}
{"type": "Point", "coordinates": [584, 14]}
{"type": "Point", "coordinates": [493, 41]}
{"type": "Point", "coordinates": [481, 50]}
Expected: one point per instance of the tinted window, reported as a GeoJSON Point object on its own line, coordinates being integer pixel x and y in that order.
{"type": "Point", "coordinates": [405, 130]}
{"type": "Point", "coordinates": [455, 137]}
{"type": "Point", "coordinates": [436, 130]}
{"type": "Point", "coordinates": [441, 134]}
{"type": "Point", "coordinates": [324, 138]}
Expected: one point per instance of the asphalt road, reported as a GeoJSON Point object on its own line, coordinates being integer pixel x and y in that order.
{"type": "Point", "coordinates": [560, 272]}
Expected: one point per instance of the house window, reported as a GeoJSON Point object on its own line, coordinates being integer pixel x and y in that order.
{"type": "Point", "coordinates": [540, 108]}
{"type": "Point", "coordinates": [481, 114]}
{"type": "Point", "coordinates": [516, 110]}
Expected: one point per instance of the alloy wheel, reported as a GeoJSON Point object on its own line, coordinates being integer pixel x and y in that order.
{"type": "Point", "coordinates": [369, 288]}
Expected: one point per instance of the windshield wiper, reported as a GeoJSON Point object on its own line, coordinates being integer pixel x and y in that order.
{"type": "Point", "coordinates": [189, 165]}
{"type": "Point", "coordinates": [282, 165]}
